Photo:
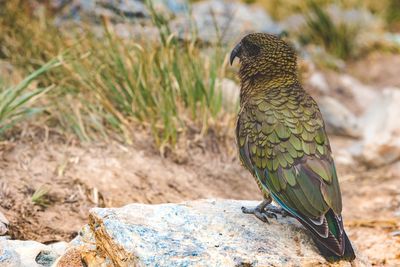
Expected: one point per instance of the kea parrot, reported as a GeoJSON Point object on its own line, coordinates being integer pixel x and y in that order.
{"type": "Point", "coordinates": [282, 141]}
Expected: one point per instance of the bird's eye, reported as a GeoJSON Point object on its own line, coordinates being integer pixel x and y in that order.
{"type": "Point", "coordinates": [252, 49]}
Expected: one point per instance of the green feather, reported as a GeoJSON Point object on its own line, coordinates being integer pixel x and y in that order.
{"type": "Point", "coordinates": [289, 176]}
{"type": "Point", "coordinates": [282, 140]}
{"type": "Point", "coordinates": [295, 141]}
{"type": "Point", "coordinates": [282, 131]}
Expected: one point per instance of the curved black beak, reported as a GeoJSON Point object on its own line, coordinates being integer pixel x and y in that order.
{"type": "Point", "coordinates": [235, 52]}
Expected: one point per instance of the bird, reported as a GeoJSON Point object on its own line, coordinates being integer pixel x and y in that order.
{"type": "Point", "coordinates": [282, 141]}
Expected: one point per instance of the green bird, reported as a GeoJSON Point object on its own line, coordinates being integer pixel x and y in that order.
{"type": "Point", "coordinates": [282, 141]}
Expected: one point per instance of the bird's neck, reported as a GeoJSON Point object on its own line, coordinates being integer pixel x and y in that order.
{"type": "Point", "coordinates": [261, 84]}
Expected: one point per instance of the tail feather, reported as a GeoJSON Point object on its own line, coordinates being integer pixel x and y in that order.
{"type": "Point", "coordinates": [327, 232]}
{"type": "Point", "coordinates": [337, 245]}
{"type": "Point", "coordinates": [348, 254]}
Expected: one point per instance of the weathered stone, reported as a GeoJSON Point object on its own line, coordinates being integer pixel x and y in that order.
{"type": "Point", "coordinates": [318, 81]}
{"type": "Point", "coordinates": [72, 258]}
{"type": "Point", "coordinates": [128, 12]}
{"type": "Point", "coordinates": [198, 233]}
{"type": "Point", "coordinates": [3, 224]}
{"type": "Point", "coordinates": [94, 9]}
{"type": "Point", "coordinates": [230, 93]}
{"type": "Point", "coordinates": [223, 21]}
{"type": "Point", "coordinates": [338, 119]}
{"type": "Point", "coordinates": [212, 20]}
{"type": "Point", "coordinates": [364, 95]}
{"type": "Point", "coordinates": [82, 249]}
{"type": "Point", "coordinates": [8, 256]}
{"type": "Point", "coordinates": [381, 130]}
{"type": "Point", "coordinates": [369, 25]}
{"type": "Point", "coordinates": [29, 253]}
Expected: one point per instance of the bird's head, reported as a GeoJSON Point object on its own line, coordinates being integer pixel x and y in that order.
{"type": "Point", "coordinates": [264, 54]}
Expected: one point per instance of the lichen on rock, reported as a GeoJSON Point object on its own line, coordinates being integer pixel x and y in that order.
{"type": "Point", "coordinates": [199, 233]}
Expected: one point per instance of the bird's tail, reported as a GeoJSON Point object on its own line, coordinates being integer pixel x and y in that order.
{"type": "Point", "coordinates": [348, 254]}
{"type": "Point", "coordinates": [337, 245]}
{"type": "Point", "coordinates": [328, 234]}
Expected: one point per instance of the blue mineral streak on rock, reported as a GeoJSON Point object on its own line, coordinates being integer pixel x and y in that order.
{"type": "Point", "coordinates": [8, 257]}
{"type": "Point", "coordinates": [46, 258]}
{"type": "Point", "coordinates": [167, 244]}
{"type": "Point", "coordinates": [202, 233]}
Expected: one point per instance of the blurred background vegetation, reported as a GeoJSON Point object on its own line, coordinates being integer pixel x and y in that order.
{"type": "Point", "coordinates": [106, 102]}
{"type": "Point", "coordinates": [102, 86]}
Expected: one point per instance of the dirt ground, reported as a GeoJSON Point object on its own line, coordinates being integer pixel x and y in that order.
{"type": "Point", "coordinates": [79, 177]}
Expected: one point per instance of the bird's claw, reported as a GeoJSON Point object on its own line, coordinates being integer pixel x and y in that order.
{"type": "Point", "coordinates": [277, 210]}
{"type": "Point", "coordinates": [262, 215]}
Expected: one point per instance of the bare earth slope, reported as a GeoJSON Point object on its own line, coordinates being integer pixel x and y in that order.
{"type": "Point", "coordinates": [79, 177]}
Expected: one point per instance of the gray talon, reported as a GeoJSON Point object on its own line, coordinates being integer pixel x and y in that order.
{"type": "Point", "coordinates": [259, 214]}
{"type": "Point", "coordinates": [264, 211]}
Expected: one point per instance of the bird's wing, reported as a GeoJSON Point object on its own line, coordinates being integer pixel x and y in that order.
{"type": "Point", "coordinates": [289, 152]}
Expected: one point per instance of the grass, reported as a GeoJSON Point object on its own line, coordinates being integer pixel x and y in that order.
{"type": "Point", "coordinates": [338, 39]}
{"type": "Point", "coordinates": [108, 86]}
{"type": "Point", "coordinates": [344, 40]}
{"type": "Point", "coordinates": [40, 197]}
{"type": "Point", "coordinates": [393, 14]}
{"type": "Point", "coordinates": [281, 9]}
{"type": "Point", "coordinates": [15, 101]}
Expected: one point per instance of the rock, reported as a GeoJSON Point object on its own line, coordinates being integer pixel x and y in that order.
{"type": "Point", "coordinates": [338, 118]}
{"type": "Point", "coordinates": [8, 256]}
{"type": "Point", "coordinates": [213, 20]}
{"type": "Point", "coordinates": [175, 7]}
{"type": "Point", "coordinates": [363, 95]}
{"type": "Point", "coordinates": [225, 21]}
{"type": "Point", "coordinates": [381, 130]}
{"type": "Point", "coordinates": [393, 38]}
{"type": "Point", "coordinates": [318, 81]}
{"type": "Point", "coordinates": [361, 18]}
{"type": "Point", "coordinates": [230, 93]}
{"type": "Point", "coordinates": [3, 224]}
{"type": "Point", "coordinates": [83, 249]}
{"type": "Point", "coordinates": [197, 233]}
{"type": "Point", "coordinates": [355, 16]}
{"type": "Point", "coordinates": [92, 10]}
{"type": "Point", "coordinates": [72, 258]}
{"type": "Point", "coordinates": [135, 31]}
{"type": "Point", "coordinates": [117, 11]}
{"type": "Point", "coordinates": [29, 253]}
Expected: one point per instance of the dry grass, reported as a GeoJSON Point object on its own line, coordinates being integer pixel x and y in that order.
{"type": "Point", "coordinates": [107, 85]}
{"type": "Point", "coordinates": [281, 9]}
{"type": "Point", "coordinates": [15, 100]}
{"type": "Point", "coordinates": [39, 197]}
{"type": "Point", "coordinates": [339, 39]}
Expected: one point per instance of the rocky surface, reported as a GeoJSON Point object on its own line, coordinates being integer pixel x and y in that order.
{"type": "Point", "coordinates": [224, 21]}
{"type": "Point", "coordinates": [318, 81]}
{"type": "Point", "coordinates": [3, 224]}
{"type": "Point", "coordinates": [197, 233]}
{"type": "Point", "coordinates": [380, 143]}
{"type": "Point", "coordinates": [364, 96]}
{"type": "Point", "coordinates": [338, 118]}
{"type": "Point", "coordinates": [230, 92]}
{"type": "Point", "coordinates": [340, 15]}
{"type": "Point", "coordinates": [370, 26]}
{"type": "Point", "coordinates": [212, 20]}
{"type": "Point", "coordinates": [16, 253]}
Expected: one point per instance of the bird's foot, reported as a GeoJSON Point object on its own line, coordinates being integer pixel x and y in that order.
{"type": "Point", "coordinates": [277, 210]}
{"type": "Point", "coordinates": [261, 211]}
{"type": "Point", "coordinates": [261, 215]}
{"type": "Point", "coordinates": [264, 211]}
